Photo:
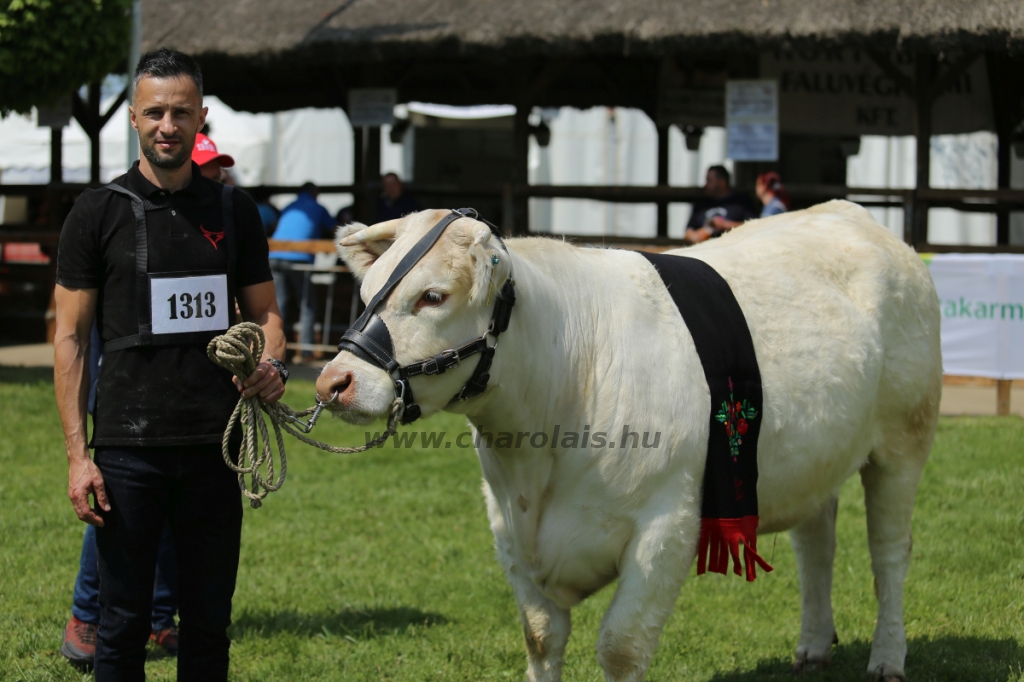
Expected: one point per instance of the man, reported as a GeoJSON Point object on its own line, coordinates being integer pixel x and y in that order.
{"type": "Point", "coordinates": [79, 644]}
{"type": "Point", "coordinates": [301, 220]}
{"type": "Point", "coordinates": [721, 204]}
{"type": "Point", "coordinates": [394, 202]}
{"type": "Point", "coordinates": [158, 257]}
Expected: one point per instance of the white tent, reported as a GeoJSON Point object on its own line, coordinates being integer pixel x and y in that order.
{"type": "Point", "coordinates": [597, 146]}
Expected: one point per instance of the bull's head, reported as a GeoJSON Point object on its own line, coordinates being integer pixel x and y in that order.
{"type": "Point", "coordinates": [445, 300]}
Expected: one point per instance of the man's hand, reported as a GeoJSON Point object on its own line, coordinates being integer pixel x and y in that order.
{"type": "Point", "coordinates": [696, 236]}
{"type": "Point", "coordinates": [258, 304]}
{"type": "Point", "coordinates": [84, 479]}
{"type": "Point", "coordinates": [265, 382]}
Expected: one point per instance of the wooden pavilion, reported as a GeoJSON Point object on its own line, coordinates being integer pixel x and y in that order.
{"type": "Point", "coordinates": [669, 59]}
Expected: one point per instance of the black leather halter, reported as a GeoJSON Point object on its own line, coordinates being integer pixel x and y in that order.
{"type": "Point", "coordinates": [369, 339]}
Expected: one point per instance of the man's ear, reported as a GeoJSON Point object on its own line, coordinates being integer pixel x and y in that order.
{"type": "Point", "coordinates": [360, 246]}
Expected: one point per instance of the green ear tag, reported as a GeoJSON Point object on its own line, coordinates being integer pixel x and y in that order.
{"type": "Point", "coordinates": [494, 260]}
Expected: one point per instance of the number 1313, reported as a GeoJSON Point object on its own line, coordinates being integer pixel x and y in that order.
{"type": "Point", "coordinates": [202, 304]}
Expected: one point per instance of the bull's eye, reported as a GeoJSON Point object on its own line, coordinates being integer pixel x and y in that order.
{"type": "Point", "coordinates": [431, 299]}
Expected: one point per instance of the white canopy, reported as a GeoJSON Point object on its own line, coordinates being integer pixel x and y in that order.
{"type": "Point", "coordinates": [597, 146]}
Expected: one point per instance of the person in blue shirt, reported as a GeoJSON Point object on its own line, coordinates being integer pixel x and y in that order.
{"type": "Point", "coordinates": [268, 214]}
{"type": "Point", "coordinates": [301, 220]}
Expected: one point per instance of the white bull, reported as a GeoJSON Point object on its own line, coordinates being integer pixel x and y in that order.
{"type": "Point", "coordinates": [845, 322]}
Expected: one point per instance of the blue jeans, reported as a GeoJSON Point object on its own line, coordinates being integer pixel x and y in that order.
{"type": "Point", "coordinates": [288, 283]}
{"type": "Point", "coordinates": [86, 604]}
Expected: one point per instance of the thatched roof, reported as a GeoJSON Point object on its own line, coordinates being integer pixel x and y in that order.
{"type": "Point", "coordinates": [366, 29]}
{"type": "Point", "coordinates": [337, 36]}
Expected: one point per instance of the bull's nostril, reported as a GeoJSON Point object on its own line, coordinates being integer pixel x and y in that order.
{"type": "Point", "coordinates": [342, 385]}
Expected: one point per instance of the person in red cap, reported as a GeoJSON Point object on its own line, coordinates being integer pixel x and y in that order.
{"type": "Point", "coordinates": [210, 161]}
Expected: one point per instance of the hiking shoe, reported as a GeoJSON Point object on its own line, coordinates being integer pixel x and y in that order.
{"type": "Point", "coordinates": [79, 644]}
{"type": "Point", "coordinates": [166, 639]}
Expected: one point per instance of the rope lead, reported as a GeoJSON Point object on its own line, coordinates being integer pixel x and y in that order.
{"type": "Point", "coordinates": [236, 351]}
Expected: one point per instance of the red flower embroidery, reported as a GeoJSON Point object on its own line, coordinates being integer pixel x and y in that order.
{"type": "Point", "coordinates": [734, 415]}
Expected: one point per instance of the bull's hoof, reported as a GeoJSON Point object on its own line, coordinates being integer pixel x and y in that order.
{"type": "Point", "coordinates": [803, 665]}
{"type": "Point", "coordinates": [883, 675]}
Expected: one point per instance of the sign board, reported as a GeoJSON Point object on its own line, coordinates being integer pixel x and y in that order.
{"type": "Point", "coordinates": [690, 96]}
{"type": "Point", "coordinates": [842, 91]}
{"type": "Point", "coordinates": [371, 106]}
{"type": "Point", "coordinates": [981, 299]}
{"type": "Point", "coordinates": [752, 120]}
{"type": "Point", "coordinates": [683, 106]}
{"type": "Point", "coordinates": [57, 115]}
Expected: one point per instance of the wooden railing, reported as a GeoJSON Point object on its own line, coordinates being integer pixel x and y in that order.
{"type": "Point", "coordinates": [968, 200]}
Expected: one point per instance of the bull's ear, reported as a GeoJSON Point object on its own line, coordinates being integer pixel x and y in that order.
{"type": "Point", "coordinates": [483, 251]}
{"type": "Point", "coordinates": [360, 246]}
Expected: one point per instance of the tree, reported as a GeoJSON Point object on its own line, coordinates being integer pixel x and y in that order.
{"type": "Point", "coordinates": [49, 48]}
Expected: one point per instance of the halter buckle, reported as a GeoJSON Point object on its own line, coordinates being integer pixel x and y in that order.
{"type": "Point", "coordinates": [442, 362]}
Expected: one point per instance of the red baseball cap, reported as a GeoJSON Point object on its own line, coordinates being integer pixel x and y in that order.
{"type": "Point", "coordinates": [205, 151]}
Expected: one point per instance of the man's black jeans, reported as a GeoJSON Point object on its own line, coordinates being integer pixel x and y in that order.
{"type": "Point", "coordinates": [192, 488]}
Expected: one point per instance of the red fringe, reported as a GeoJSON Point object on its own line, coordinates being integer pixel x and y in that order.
{"type": "Point", "coordinates": [721, 537]}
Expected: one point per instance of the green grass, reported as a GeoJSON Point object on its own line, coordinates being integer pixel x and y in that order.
{"type": "Point", "coordinates": [380, 566]}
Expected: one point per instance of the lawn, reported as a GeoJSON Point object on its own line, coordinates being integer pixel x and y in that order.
{"type": "Point", "coordinates": [380, 566]}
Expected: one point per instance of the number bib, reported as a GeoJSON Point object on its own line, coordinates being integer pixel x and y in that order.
{"type": "Point", "coordinates": [181, 305]}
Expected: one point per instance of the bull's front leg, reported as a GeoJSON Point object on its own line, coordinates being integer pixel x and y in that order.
{"type": "Point", "coordinates": [546, 629]}
{"type": "Point", "coordinates": [546, 625]}
{"type": "Point", "coordinates": [653, 568]}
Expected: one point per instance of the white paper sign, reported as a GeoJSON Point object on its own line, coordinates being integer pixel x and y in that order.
{"type": "Point", "coordinates": [981, 297]}
{"type": "Point", "coordinates": [371, 106]}
{"type": "Point", "coordinates": [189, 304]}
{"type": "Point", "coordinates": [752, 120]}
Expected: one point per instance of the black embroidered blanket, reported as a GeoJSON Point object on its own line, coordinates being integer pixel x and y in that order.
{"type": "Point", "coordinates": [726, 351]}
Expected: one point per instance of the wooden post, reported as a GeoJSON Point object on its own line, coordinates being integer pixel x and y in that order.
{"type": "Point", "coordinates": [924, 69]}
{"type": "Point", "coordinates": [94, 132]}
{"type": "Point", "coordinates": [1003, 108]}
{"type": "Point", "coordinates": [663, 179]}
{"type": "Point", "coordinates": [56, 155]}
{"type": "Point", "coordinates": [371, 170]}
{"type": "Point", "coordinates": [909, 212]}
{"type": "Point", "coordinates": [520, 167]}
{"type": "Point", "coordinates": [359, 210]}
{"type": "Point", "coordinates": [507, 210]}
{"type": "Point", "coordinates": [1003, 135]}
{"type": "Point", "coordinates": [1003, 397]}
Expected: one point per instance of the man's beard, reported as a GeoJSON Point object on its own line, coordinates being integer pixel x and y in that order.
{"type": "Point", "coordinates": [166, 161]}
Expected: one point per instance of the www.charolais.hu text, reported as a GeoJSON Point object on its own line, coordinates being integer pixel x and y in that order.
{"type": "Point", "coordinates": [586, 438]}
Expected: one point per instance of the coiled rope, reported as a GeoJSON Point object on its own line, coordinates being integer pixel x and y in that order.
{"type": "Point", "coordinates": [237, 351]}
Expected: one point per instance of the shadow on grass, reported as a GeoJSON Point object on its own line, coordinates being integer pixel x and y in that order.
{"type": "Point", "coordinates": [359, 624]}
{"type": "Point", "coordinates": [942, 659]}
{"type": "Point", "coordinates": [26, 375]}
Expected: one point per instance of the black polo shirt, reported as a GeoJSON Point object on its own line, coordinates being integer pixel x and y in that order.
{"type": "Point", "coordinates": [157, 395]}
{"type": "Point", "coordinates": [735, 206]}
